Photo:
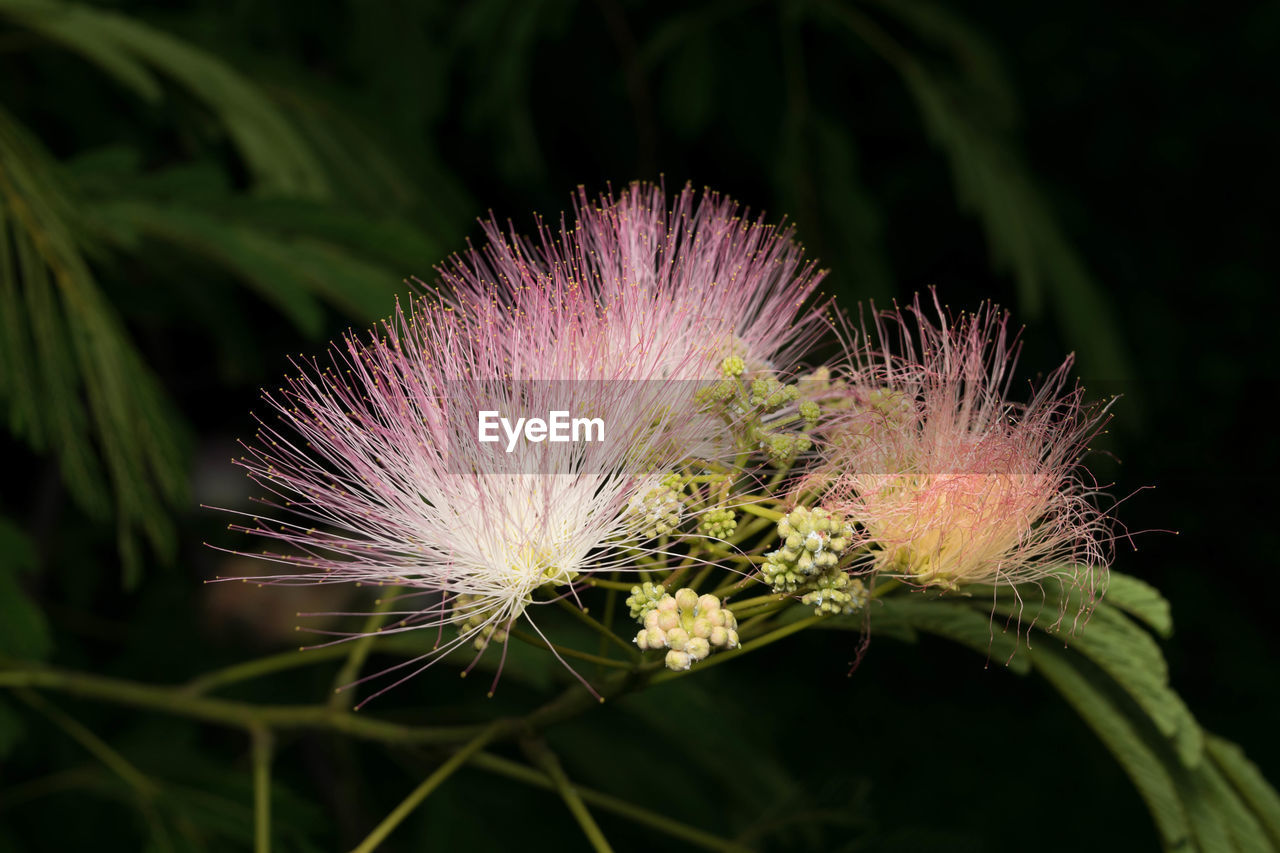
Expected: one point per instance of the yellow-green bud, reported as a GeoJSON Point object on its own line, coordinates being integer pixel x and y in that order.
{"type": "Point", "coordinates": [733, 367]}
{"type": "Point", "coordinates": [689, 625]}
{"type": "Point", "coordinates": [698, 648]}
{"type": "Point", "coordinates": [644, 598]}
{"type": "Point", "coordinates": [718, 523]}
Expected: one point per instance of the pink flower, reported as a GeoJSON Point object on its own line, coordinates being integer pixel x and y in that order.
{"type": "Point", "coordinates": [667, 292]}
{"type": "Point", "coordinates": [374, 464]}
{"type": "Point", "coordinates": [378, 476]}
{"type": "Point", "coordinates": [950, 482]}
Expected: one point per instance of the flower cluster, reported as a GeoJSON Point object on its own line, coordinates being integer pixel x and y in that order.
{"type": "Point", "coordinates": [690, 625]}
{"type": "Point", "coordinates": [950, 482]}
{"type": "Point", "coordinates": [812, 541]}
{"type": "Point", "coordinates": [684, 326]}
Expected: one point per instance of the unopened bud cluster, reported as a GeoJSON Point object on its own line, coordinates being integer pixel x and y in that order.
{"type": "Point", "coordinates": [472, 607]}
{"type": "Point", "coordinates": [812, 542]}
{"type": "Point", "coordinates": [661, 508]}
{"type": "Point", "coordinates": [689, 626]}
{"type": "Point", "coordinates": [836, 593]}
{"type": "Point", "coordinates": [753, 407]}
{"type": "Point", "coordinates": [718, 523]}
{"type": "Point", "coordinates": [644, 598]}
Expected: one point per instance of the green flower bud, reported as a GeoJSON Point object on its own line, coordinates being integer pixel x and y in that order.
{"type": "Point", "coordinates": [812, 543]}
{"type": "Point", "coordinates": [733, 367]}
{"type": "Point", "coordinates": [698, 648]}
{"type": "Point", "coordinates": [837, 594]}
{"type": "Point", "coordinates": [689, 625]}
{"type": "Point", "coordinates": [470, 607]}
{"type": "Point", "coordinates": [686, 599]}
{"type": "Point", "coordinates": [678, 660]}
{"type": "Point", "coordinates": [644, 599]}
{"type": "Point", "coordinates": [718, 523]}
{"type": "Point", "coordinates": [659, 511]}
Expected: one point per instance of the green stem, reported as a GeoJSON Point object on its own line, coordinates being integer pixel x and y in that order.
{"type": "Point", "coordinates": [539, 643]}
{"type": "Point", "coordinates": [748, 603]}
{"type": "Point", "coordinates": [750, 529]}
{"type": "Point", "coordinates": [701, 576]}
{"type": "Point", "coordinates": [606, 802]}
{"type": "Point", "coordinates": [283, 661]}
{"type": "Point", "coordinates": [762, 511]}
{"type": "Point", "coordinates": [94, 745]}
{"type": "Point", "coordinates": [583, 617]}
{"type": "Point", "coordinates": [144, 789]}
{"type": "Point", "coordinates": [715, 550]}
{"type": "Point", "coordinates": [884, 586]}
{"type": "Point", "coordinates": [259, 667]}
{"type": "Point", "coordinates": [359, 652]}
{"type": "Point", "coordinates": [262, 750]}
{"type": "Point", "coordinates": [673, 580]}
{"type": "Point", "coordinates": [747, 628]}
{"type": "Point", "coordinates": [540, 755]}
{"type": "Point", "coordinates": [175, 700]}
{"type": "Point", "coordinates": [604, 584]}
{"type": "Point", "coordinates": [87, 776]}
{"type": "Point", "coordinates": [420, 793]}
{"type": "Point", "coordinates": [610, 609]}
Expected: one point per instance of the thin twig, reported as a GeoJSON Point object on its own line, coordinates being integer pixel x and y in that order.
{"type": "Point", "coordinates": [420, 793]}
{"type": "Point", "coordinates": [542, 756]}
{"type": "Point", "coordinates": [675, 829]}
{"type": "Point", "coordinates": [262, 751]}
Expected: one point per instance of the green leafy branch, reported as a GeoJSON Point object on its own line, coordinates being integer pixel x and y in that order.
{"type": "Point", "coordinates": [1202, 793]}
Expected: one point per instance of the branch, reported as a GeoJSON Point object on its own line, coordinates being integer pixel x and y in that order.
{"type": "Point", "coordinates": [443, 772]}
{"type": "Point", "coordinates": [262, 749]}
{"type": "Point", "coordinates": [176, 700]}
{"type": "Point", "coordinates": [607, 802]}
{"type": "Point", "coordinates": [541, 755]}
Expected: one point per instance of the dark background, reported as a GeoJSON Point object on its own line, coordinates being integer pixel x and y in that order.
{"type": "Point", "coordinates": [1114, 191]}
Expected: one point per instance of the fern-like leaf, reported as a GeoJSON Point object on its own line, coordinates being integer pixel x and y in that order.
{"type": "Point", "coordinates": [278, 157]}
{"type": "Point", "coordinates": [71, 378]}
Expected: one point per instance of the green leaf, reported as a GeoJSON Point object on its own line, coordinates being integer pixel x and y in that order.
{"type": "Point", "coordinates": [255, 259]}
{"type": "Point", "coordinates": [851, 228]}
{"type": "Point", "coordinates": [275, 153]}
{"type": "Point", "coordinates": [1142, 601]}
{"type": "Point", "coordinates": [126, 429]}
{"type": "Point", "coordinates": [975, 60]}
{"type": "Point", "coordinates": [991, 181]}
{"type": "Point", "coordinates": [286, 271]}
{"type": "Point", "coordinates": [957, 621]}
{"type": "Point", "coordinates": [1208, 786]}
{"type": "Point", "coordinates": [1243, 775]}
{"type": "Point", "coordinates": [1113, 728]}
{"type": "Point", "coordinates": [1129, 655]}
{"type": "Point", "coordinates": [80, 32]}
{"type": "Point", "coordinates": [17, 554]}
{"type": "Point", "coordinates": [24, 633]}
{"type": "Point", "coordinates": [11, 727]}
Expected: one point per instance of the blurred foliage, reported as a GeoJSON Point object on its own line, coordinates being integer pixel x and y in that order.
{"type": "Point", "coordinates": [189, 192]}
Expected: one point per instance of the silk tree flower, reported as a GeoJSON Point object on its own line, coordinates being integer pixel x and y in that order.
{"type": "Point", "coordinates": [377, 476]}
{"type": "Point", "coordinates": [951, 483]}
{"type": "Point", "coordinates": [669, 291]}
{"type": "Point", "coordinates": [654, 291]}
